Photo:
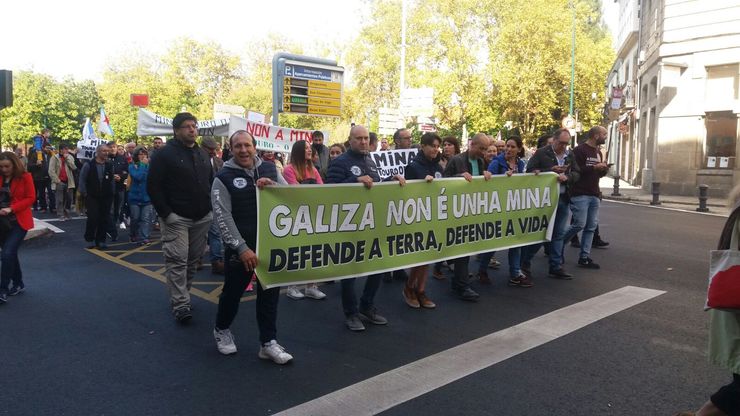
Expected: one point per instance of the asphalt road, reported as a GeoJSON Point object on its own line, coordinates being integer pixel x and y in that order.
{"type": "Point", "coordinates": [94, 336]}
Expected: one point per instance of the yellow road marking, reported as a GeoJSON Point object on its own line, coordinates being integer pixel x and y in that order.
{"type": "Point", "coordinates": [211, 296]}
{"type": "Point", "coordinates": [153, 275]}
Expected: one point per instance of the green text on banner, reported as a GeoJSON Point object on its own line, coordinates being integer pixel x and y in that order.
{"type": "Point", "coordinates": [313, 233]}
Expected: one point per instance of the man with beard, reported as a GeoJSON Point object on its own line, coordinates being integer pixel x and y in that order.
{"type": "Point", "coordinates": [179, 185]}
{"type": "Point", "coordinates": [585, 196]}
{"type": "Point", "coordinates": [320, 152]}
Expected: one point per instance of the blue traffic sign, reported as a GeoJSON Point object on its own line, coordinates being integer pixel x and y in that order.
{"type": "Point", "coordinates": [305, 72]}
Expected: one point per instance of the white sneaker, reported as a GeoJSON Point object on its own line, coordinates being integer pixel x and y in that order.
{"type": "Point", "coordinates": [294, 293]}
{"type": "Point", "coordinates": [224, 341]}
{"type": "Point", "coordinates": [273, 351]}
{"type": "Point", "coordinates": [313, 292]}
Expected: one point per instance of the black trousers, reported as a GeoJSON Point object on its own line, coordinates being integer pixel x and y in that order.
{"type": "Point", "coordinates": [460, 279]}
{"type": "Point", "coordinates": [115, 214]}
{"type": "Point", "coordinates": [98, 216]}
{"type": "Point", "coordinates": [44, 194]}
{"type": "Point", "coordinates": [727, 398]}
{"type": "Point", "coordinates": [236, 279]}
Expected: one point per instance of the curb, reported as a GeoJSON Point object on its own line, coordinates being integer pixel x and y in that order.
{"type": "Point", "coordinates": [662, 201]}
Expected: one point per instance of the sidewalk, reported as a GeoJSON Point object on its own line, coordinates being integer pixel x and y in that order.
{"type": "Point", "coordinates": [635, 194]}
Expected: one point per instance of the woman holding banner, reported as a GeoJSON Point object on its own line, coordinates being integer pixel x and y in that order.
{"type": "Point", "coordinates": [424, 166]}
{"type": "Point", "coordinates": [301, 171]}
{"type": "Point", "coordinates": [508, 163]}
{"type": "Point", "coordinates": [335, 151]}
{"type": "Point", "coordinates": [450, 148]}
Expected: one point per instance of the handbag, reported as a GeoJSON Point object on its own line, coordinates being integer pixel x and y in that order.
{"type": "Point", "coordinates": [6, 221]}
{"type": "Point", "coordinates": [724, 274]}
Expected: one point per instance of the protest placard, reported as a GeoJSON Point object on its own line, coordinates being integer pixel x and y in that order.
{"type": "Point", "coordinates": [393, 162]}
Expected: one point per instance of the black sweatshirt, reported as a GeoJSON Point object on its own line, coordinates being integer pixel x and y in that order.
{"type": "Point", "coordinates": [180, 181]}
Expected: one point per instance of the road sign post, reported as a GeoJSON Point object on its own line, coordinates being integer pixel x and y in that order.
{"type": "Point", "coordinates": [306, 85]}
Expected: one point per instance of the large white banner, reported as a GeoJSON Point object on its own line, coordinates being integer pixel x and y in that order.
{"type": "Point", "coordinates": [272, 138]}
{"type": "Point", "coordinates": [150, 124]}
{"type": "Point", "coordinates": [393, 162]}
{"type": "Point", "coordinates": [267, 137]}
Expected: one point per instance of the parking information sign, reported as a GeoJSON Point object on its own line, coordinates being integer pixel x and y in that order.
{"type": "Point", "coordinates": [311, 89]}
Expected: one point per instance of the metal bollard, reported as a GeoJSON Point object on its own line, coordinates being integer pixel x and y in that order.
{"type": "Point", "coordinates": [703, 189]}
{"type": "Point", "coordinates": [656, 194]}
{"type": "Point", "coordinates": [616, 186]}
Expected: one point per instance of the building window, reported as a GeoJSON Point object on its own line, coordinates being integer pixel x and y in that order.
{"type": "Point", "coordinates": [721, 139]}
{"type": "Point", "coordinates": [721, 90]}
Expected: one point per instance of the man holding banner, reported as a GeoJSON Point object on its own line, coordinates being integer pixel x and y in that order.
{"type": "Point", "coordinates": [467, 165]}
{"type": "Point", "coordinates": [234, 199]}
{"type": "Point", "coordinates": [356, 166]}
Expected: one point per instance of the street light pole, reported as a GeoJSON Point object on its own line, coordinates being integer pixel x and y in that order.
{"type": "Point", "coordinates": [572, 58]}
{"type": "Point", "coordinates": [402, 85]}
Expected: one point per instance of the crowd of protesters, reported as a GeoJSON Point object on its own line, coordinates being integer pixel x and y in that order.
{"type": "Point", "coordinates": [203, 201]}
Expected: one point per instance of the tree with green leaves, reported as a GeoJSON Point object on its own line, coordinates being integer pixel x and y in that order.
{"type": "Point", "coordinates": [39, 101]}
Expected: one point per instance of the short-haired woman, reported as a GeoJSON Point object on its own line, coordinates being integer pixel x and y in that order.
{"type": "Point", "coordinates": [508, 163]}
{"type": "Point", "coordinates": [140, 205]}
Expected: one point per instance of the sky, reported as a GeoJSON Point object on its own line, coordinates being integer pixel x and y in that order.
{"type": "Point", "coordinates": [79, 37]}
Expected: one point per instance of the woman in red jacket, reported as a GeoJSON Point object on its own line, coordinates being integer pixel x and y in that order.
{"type": "Point", "coordinates": [16, 197]}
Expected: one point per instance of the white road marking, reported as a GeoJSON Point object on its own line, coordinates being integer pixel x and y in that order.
{"type": "Point", "coordinates": [38, 224]}
{"type": "Point", "coordinates": [384, 391]}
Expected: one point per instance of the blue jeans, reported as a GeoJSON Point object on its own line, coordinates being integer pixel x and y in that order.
{"type": "Point", "coordinates": [215, 245]}
{"type": "Point", "coordinates": [349, 298]}
{"type": "Point", "coordinates": [585, 217]}
{"type": "Point", "coordinates": [11, 266]}
{"type": "Point", "coordinates": [558, 232]}
{"type": "Point", "coordinates": [515, 262]}
{"type": "Point", "coordinates": [142, 216]}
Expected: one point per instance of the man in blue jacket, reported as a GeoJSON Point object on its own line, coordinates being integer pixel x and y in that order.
{"type": "Point", "coordinates": [356, 166]}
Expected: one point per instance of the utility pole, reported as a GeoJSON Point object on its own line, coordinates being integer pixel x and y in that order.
{"type": "Point", "coordinates": [572, 58]}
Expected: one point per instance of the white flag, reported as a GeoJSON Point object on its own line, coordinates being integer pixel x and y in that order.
{"type": "Point", "coordinates": [87, 131]}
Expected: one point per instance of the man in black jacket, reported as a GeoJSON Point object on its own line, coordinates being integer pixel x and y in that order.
{"type": "Point", "coordinates": [120, 174]}
{"type": "Point", "coordinates": [179, 183]}
{"type": "Point", "coordinates": [356, 166]}
{"type": "Point", "coordinates": [97, 187]}
{"type": "Point", "coordinates": [556, 158]}
{"type": "Point", "coordinates": [38, 166]}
